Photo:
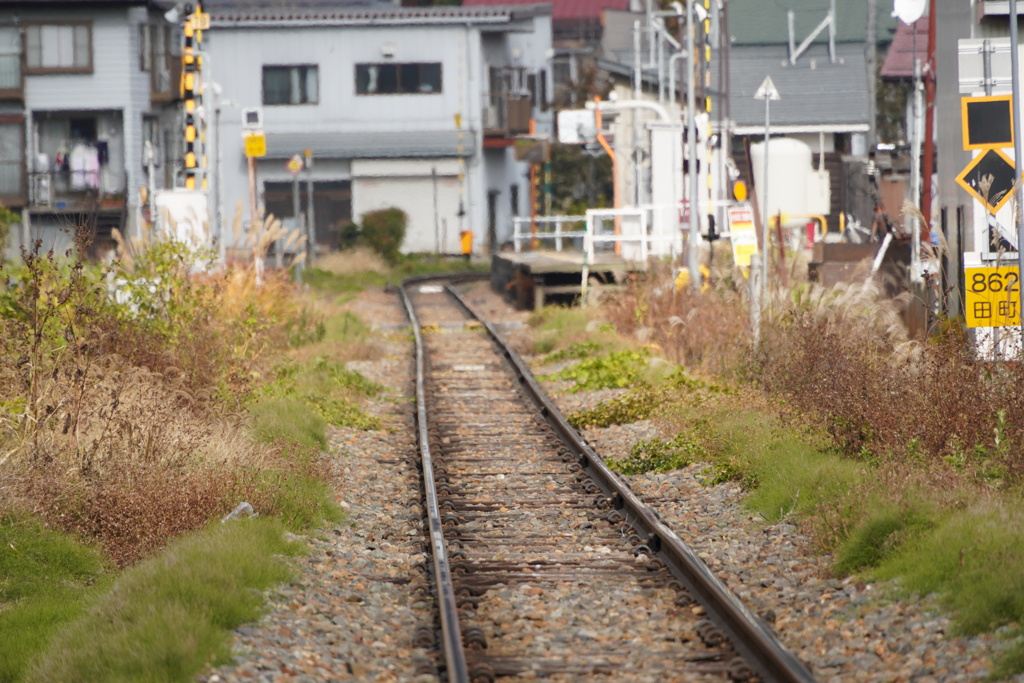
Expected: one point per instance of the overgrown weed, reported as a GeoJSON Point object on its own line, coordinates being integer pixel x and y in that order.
{"type": "Point", "coordinates": [902, 457]}
{"type": "Point", "coordinates": [121, 416]}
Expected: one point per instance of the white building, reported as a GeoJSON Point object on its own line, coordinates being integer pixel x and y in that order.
{"type": "Point", "coordinates": [415, 108]}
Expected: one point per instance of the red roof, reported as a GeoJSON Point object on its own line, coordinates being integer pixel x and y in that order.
{"type": "Point", "coordinates": [899, 60]}
{"type": "Point", "coordinates": [562, 10]}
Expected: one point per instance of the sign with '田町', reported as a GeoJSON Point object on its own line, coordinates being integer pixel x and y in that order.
{"type": "Point", "coordinates": [992, 296]}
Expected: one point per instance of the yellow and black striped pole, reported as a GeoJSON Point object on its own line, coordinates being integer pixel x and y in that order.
{"type": "Point", "coordinates": [191, 95]}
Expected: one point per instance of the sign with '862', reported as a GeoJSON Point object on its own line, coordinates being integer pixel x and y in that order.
{"type": "Point", "coordinates": [993, 296]}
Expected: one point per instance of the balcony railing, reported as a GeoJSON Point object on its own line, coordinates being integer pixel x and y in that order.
{"type": "Point", "coordinates": [66, 191]}
{"type": "Point", "coordinates": [507, 114]}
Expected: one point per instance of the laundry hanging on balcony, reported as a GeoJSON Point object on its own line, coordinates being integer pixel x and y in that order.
{"type": "Point", "coordinates": [84, 165]}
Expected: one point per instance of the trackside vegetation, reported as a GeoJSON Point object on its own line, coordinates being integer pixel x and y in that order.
{"type": "Point", "coordinates": [140, 403]}
{"type": "Point", "coordinates": [902, 458]}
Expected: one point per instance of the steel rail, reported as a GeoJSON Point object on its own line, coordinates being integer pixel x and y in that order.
{"type": "Point", "coordinates": [751, 638]}
{"type": "Point", "coordinates": [451, 634]}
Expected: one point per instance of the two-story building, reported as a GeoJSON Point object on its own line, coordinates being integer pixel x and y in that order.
{"type": "Point", "coordinates": [83, 85]}
{"type": "Point", "coordinates": [408, 107]}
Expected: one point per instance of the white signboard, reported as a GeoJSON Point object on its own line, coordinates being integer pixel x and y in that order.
{"type": "Point", "coordinates": [576, 126]}
{"type": "Point", "coordinates": [971, 62]}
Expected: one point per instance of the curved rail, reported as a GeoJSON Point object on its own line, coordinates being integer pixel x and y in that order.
{"type": "Point", "coordinates": [451, 634]}
{"type": "Point", "coordinates": [751, 638]}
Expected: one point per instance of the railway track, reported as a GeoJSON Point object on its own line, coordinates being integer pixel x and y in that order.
{"type": "Point", "coordinates": [544, 563]}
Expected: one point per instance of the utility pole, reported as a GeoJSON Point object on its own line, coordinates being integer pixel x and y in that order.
{"type": "Point", "coordinates": [310, 209]}
{"type": "Point", "coordinates": [872, 54]}
{"type": "Point", "coordinates": [1017, 208]}
{"type": "Point", "coordinates": [928, 162]}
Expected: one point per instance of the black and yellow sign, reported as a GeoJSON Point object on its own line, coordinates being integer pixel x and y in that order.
{"type": "Point", "coordinates": [993, 296]}
{"type": "Point", "coordinates": [987, 122]}
{"type": "Point", "coordinates": [989, 179]}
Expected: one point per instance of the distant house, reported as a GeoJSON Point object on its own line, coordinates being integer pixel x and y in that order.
{"type": "Point", "coordinates": [83, 85]}
{"type": "Point", "coordinates": [410, 107]}
{"type": "Point", "coordinates": [577, 30]}
{"type": "Point", "coordinates": [826, 90]}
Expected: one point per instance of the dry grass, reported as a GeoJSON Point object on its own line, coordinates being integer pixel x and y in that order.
{"type": "Point", "coordinates": [117, 426]}
{"type": "Point", "coordinates": [355, 260]}
{"type": "Point", "coordinates": [158, 465]}
{"type": "Point", "coordinates": [841, 356]}
{"type": "Point", "coordinates": [707, 333]}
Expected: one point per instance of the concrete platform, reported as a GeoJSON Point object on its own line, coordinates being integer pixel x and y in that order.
{"type": "Point", "coordinates": [531, 278]}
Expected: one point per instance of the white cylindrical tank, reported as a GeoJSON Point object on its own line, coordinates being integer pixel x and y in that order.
{"type": "Point", "coordinates": [789, 170]}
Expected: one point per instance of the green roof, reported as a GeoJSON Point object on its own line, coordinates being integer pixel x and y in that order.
{"type": "Point", "coordinates": [760, 22]}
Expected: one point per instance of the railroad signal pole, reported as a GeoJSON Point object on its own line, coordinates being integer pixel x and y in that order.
{"type": "Point", "coordinates": [194, 156]}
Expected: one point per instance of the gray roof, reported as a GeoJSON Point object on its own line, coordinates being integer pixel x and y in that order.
{"type": "Point", "coordinates": [765, 21]}
{"type": "Point", "coordinates": [815, 95]}
{"type": "Point", "coordinates": [357, 12]}
{"type": "Point", "coordinates": [412, 144]}
{"type": "Point", "coordinates": [156, 4]}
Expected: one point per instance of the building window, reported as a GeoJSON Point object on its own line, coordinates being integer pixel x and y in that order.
{"type": "Point", "coordinates": [58, 48]}
{"type": "Point", "coordinates": [394, 79]}
{"type": "Point", "coordinates": [12, 159]}
{"type": "Point", "coordinates": [290, 85]}
{"type": "Point", "coordinates": [156, 58]}
{"type": "Point", "coordinates": [10, 58]}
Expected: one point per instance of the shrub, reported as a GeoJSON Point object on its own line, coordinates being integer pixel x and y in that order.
{"type": "Point", "coordinates": [383, 231]}
{"type": "Point", "coordinates": [348, 236]}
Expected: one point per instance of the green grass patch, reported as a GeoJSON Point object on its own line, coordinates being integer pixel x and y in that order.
{"type": "Point", "coordinates": [166, 618]}
{"type": "Point", "coordinates": [971, 559]}
{"type": "Point", "coordinates": [882, 532]}
{"type": "Point", "coordinates": [658, 455]}
{"type": "Point", "coordinates": [560, 319]}
{"type": "Point", "coordinates": [340, 284]}
{"type": "Point", "coordinates": [346, 328]}
{"type": "Point", "coordinates": [616, 370]}
{"type": "Point", "coordinates": [574, 351]}
{"type": "Point", "coordinates": [785, 472]}
{"type": "Point", "coordinates": [644, 402]}
{"type": "Point", "coordinates": [288, 419]}
{"type": "Point", "coordinates": [327, 392]}
{"type": "Point", "coordinates": [45, 579]}
{"type": "Point", "coordinates": [568, 333]}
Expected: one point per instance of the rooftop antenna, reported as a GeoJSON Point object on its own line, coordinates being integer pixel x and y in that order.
{"type": "Point", "coordinates": [828, 22]}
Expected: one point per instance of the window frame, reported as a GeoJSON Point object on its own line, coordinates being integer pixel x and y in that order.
{"type": "Point", "coordinates": [21, 199]}
{"type": "Point", "coordinates": [18, 91]}
{"type": "Point", "coordinates": [400, 78]}
{"type": "Point", "coordinates": [290, 68]}
{"type": "Point", "coordinates": [43, 70]}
